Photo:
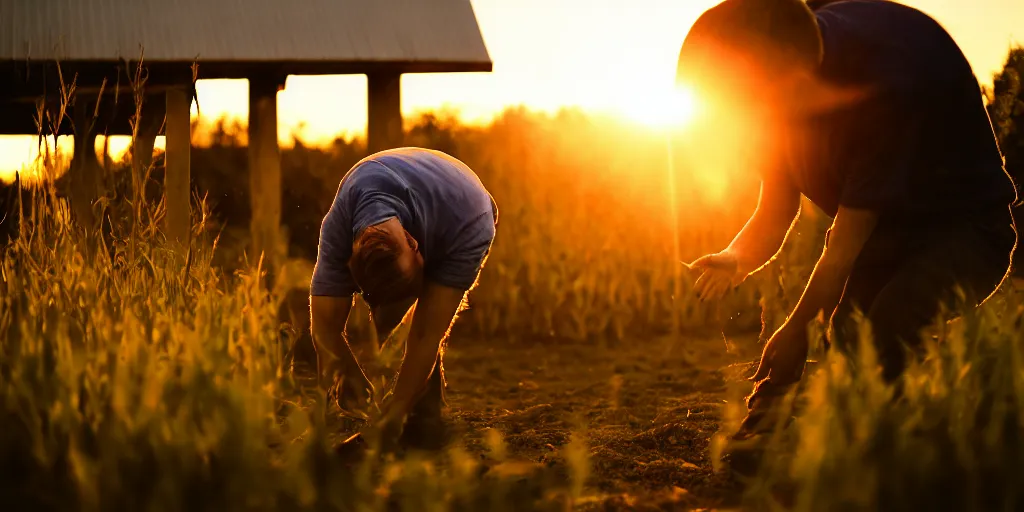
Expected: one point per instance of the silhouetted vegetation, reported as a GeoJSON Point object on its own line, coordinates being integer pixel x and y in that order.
{"type": "Point", "coordinates": [133, 376]}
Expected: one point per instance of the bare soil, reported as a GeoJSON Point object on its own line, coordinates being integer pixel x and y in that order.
{"type": "Point", "coordinates": [647, 411]}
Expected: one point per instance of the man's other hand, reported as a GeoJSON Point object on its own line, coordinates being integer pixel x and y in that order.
{"type": "Point", "coordinates": [719, 273]}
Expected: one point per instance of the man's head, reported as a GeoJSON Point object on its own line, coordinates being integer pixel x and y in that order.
{"type": "Point", "coordinates": [759, 53]}
{"type": "Point", "coordinates": [386, 263]}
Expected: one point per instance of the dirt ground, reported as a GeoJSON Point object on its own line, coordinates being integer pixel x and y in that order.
{"type": "Point", "coordinates": [647, 411]}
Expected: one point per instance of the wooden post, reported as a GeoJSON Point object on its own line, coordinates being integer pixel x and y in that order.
{"type": "Point", "coordinates": [265, 170]}
{"type": "Point", "coordinates": [384, 123]}
{"type": "Point", "coordinates": [84, 175]}
{"type": "Point", "coordinates": [178, 221]}
{"type": "Point", "coordinates": [151, 117]}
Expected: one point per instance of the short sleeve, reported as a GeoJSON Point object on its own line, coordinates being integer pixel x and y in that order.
{"type": "Point", "coordinates": [878, 174]}
{"type": "Point", "coordinates": [331, 276]}
{"type": "Point", "coordinates": [366, 199]}
{"type": "Point", "coordinates": [376, 197]}
{"type": "Point", "coordinates": [461, 265]}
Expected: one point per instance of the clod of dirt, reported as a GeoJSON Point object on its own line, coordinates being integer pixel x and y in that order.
{"type": "Point", "coordinates": [667, 436]}
{"type": "Point", "coordinates": [673, 498]}
{"type": "Point", "coordinates": [533, 416]}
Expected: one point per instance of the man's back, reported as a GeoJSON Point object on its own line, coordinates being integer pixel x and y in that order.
{"type": "Point", "coordinates": [436, 198]}
{"type": "Point", "coordinates": [921, 143]}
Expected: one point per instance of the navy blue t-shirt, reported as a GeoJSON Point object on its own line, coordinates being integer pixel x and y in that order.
{"type": "Point", "coordinates": [921, 143]}
{"type": "Point", "coordinates": [437, 199]}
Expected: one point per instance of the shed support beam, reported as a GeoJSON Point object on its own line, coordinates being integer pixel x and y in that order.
{"type": "Point", "coordinates": [151, 117]}
{"type": "Point", "coordinates": [384, 123]}
{"type": "Point", "coordinates": [178, 147]}
{"type": "Point", "coordinates": [85, 174]}
{"type": "Point", "coordinates": [265, 171]}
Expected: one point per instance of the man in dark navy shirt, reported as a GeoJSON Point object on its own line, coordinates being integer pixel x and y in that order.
{"type": "Point", "coordinates": [877, 118]}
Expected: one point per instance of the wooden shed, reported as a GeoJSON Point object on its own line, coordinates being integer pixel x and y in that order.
{"type": "Point", "coordinates": [99, 44]}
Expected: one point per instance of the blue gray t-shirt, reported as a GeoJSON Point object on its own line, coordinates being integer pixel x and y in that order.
{"type": "Point", "coordinates": [438, 200]}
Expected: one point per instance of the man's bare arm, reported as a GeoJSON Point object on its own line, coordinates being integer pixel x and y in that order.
{"type": "Point", "coordinates": [786, 352]}
{"type": "Point", "coordinates": [328, 319]}
{"type": "Point", "coordinates": [764, 233]}
{"type": "Point", "coordinates": [434, 314]}
{"type": "Point", "coordinates": [850, 231]}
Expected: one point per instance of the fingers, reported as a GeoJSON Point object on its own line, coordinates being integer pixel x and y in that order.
{"type": "Point", "coordinates": [703, 262]}
{"type": "Point", "coordinates": [712, 285]}
{"type": "Point", "coordinates": [718, 261]}
{"type": "Point", "coordinates": [717, 291]}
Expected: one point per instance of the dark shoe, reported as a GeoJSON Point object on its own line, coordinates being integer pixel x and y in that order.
{"type": "Point", "coordinates": [428, 432]}
{"type": "Point", "coordinates": [352, 450]}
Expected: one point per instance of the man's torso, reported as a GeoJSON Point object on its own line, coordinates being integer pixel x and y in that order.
{"type": "Point", "coordinates": [436, 198]}
{"type": "Point", "coordinates": [921, 143]}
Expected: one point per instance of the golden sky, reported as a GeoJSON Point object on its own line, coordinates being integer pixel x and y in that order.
{"type": "Point", "coordinates": [608, 55]}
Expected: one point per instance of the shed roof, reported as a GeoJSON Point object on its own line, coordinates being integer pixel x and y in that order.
{"type": "Point", "coordinates": [413, 35]}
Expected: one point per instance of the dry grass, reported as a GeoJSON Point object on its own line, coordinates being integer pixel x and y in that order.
{"type": "Point", "coordinates": [133, 376]}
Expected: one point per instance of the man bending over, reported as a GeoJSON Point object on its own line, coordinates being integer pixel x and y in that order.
{"type": "Point", "coordinates": [875, 115]}
{"type": "Point", "coordinates": [408, 226]}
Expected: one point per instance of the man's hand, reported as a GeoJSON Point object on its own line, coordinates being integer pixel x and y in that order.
{"type": "Point", "coordinates": [434, 314]}
{"type": "Point", "coordinates": [336, 364]}
{"type": "Point", "coordinates": [755, 244]}
{"type": "Point", "coordinates": [784, 356]}
{"type": "Point", "coordinates": [786, 352]}
{"type": "Point", "coordinates": [719, 272]}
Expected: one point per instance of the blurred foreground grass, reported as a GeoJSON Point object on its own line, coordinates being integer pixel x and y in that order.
{"type": "Point", "coordinates": [135, 375]}
{"type": "Point", "coordinates": [951, 439]}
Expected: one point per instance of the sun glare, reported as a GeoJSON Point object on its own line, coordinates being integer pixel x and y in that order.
{"type": "Point", "coordinates": [675, 107]}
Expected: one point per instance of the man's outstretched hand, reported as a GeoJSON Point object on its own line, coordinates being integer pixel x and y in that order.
{"type": "Point", "coordinates": [719, 273]}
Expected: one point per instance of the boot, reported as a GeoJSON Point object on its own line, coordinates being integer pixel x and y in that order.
{"type": "Point", "coordinates": [425, 428]}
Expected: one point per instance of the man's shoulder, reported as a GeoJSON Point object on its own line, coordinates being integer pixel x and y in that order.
{"type": "Point", "coordinates": [368, 173]}
{"type": "Point", "coordinates": [854, 10]}
{"type": "Point", "coordinates": [888, 45]}
{"type": "Point", "coordinates": [883, 24]}
{"type": "Point", "coordinates": [411, 156]}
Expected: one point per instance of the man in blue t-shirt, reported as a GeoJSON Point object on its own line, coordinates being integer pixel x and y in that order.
{"type": "Point", "coordinates": [408, 226]}
{"type": "Point", "coordinates": [873, 113]}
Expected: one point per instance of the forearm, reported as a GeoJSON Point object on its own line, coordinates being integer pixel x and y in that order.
{"type": "Point", "coordinates": [329, 337]}
{"type": "Point", "coordinates": [850, 231]}
{"type": "Point", "coordinates": [420, 356]}
{"type": "Point", "coordinates": [435, 313]}
{"type": "Point", "coordinates": [760, 240]}
{"type": "Point", "coordinates": [328, 319]}
{"type": "Point", "coordinates": [823, 293]}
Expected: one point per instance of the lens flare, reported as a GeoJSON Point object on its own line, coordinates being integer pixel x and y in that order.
{"type": "Point", "coordinates": [672, 108]}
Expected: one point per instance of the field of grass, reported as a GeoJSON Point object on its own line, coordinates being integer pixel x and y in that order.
{"type": "Point", "coordinates": [137, 375]}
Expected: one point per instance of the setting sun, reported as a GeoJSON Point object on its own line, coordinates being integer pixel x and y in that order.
{"type": "Point", "coordinates": [675, 107]}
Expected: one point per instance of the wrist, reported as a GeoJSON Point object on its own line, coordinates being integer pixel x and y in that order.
{"type": "Point", "coordinates": [743, 266]}
{"type": "Point", "coordinates": [792, 331]}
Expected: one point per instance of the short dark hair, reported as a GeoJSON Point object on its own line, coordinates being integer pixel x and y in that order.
{"type": "Point", "coordinates": [374, 265]}
{"type": "Point", "coordinates": [780, 31]}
